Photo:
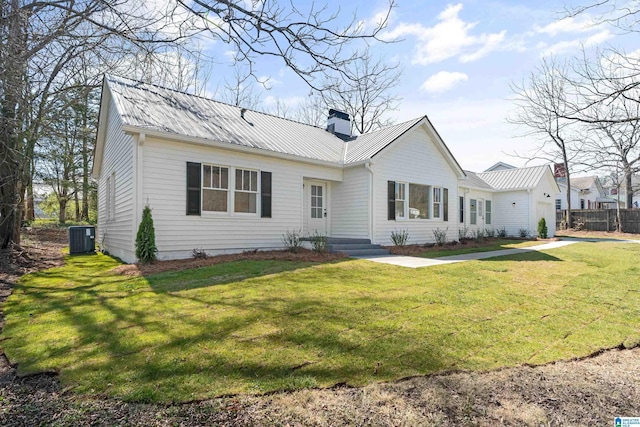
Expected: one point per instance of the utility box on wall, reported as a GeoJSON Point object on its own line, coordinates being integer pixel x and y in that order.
{"type": "Point", "coordinates": [82, 239]}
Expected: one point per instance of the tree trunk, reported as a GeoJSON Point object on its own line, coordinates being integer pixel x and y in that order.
{"type": "Point", "coordinates": [628, 186]}
{"type": "Point", "coordinates": [62, 204]}
{"type": "Point", "coordinates": [31, 209]}
{"type": "Point", "coordinates": [568, 219]}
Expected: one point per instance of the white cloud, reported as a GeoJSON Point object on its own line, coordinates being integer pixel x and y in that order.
{"type": "Point", "coordinates": [575, 44]}
{"type": "Point", "coordinates": [566, 25]}
{"type": "Point", "coordinates": [443, 81]}
{"type": "Point", "coordinates": [450, 37]}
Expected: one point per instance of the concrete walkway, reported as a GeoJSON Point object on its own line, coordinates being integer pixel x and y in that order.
{"type": "Point", "coordinates": [416, 262]}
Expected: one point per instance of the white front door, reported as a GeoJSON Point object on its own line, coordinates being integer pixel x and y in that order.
{"type": "Point", "coordinates": [317, 208]}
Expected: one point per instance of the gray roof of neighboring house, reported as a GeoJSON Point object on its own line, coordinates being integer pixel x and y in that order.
{"type": "Point", "coordinates": [499, 166]}
{"type": "Point", "coordinates": [514, 179]}
{"type": "Point", "coordinates": [473, 180]}
{"type": "Point", "coordinates": [583, 182]}
{"type": "Point", "coordinates": [147, 106]}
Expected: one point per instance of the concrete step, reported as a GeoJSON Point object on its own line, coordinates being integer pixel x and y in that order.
{"type": "Point", "coordinates": [365, 252]}
{"type": "Point", "coordinates": [351, 246]}
{"type": "Point", "coordinates": [347, 241]}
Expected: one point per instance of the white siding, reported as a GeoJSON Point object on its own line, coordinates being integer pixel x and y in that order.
{"type": "Point", "coordinates": [544, 206]}
{"type": "Point", "coordinates": [414, 159]}
{"type": "Point", "coordinates": [350, 204]}
{"type": "Point", "coordinates": [512, 216]}
{"type": "Point", "coordinates": [481, 224]}
{"type": "Point", "coordinates": [177, 234]}
{"type": "Point", "coordinates": [575, 197]}
{"type": "Point", "coordinates": [117, 235]}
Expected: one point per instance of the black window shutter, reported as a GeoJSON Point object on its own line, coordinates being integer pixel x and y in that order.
{"type": "Point", "coordinates": [391, 195]}
{"type": "Point", "coordinates": [445, 201]}
{"type": "Point", "coordinates": [265, 194]}
{"type": "Point", "coordinates": [193, 188]}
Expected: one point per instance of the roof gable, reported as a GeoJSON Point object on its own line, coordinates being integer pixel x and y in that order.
{"type": "Point", "coordinates": [515, 179]}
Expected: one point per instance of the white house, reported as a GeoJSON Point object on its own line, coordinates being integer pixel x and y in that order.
{"type": "Point", "coordinates": [226, 179]}
{"type": "Point", "coordinates": [592, 193]}
{"type": "Point", "coordinates": [561, 200]}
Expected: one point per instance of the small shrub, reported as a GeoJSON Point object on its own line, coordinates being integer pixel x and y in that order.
{"type": "Point", "coordinates": [318, 242]}
{"type": "Point", "coordinates": [146, 238]}
{"type": "Point", "coordinates": [399, 238]}
{"type": "Point", "coordinates": [292, 240]}
{"type": "Point", "coordinates": [502, 232]}
{"type": "Point", "coordinates": [463, 233]}
{"type": "Point", "coordinates": [440, 236]}
{"type": "Point", "coordinates": [542, 228]}
{"type": "Point", "coordinates": [490, 232]}
{"type": "Point", "coordinates": [199, 254]}
{"type": "Point", "coordinates": [523, 232]}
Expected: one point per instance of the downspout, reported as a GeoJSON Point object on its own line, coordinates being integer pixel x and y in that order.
{"type": "Point", "coordinates": [371, 216]}
{"type": "Point", "coordinates": [531, 214]}
{"type": "Point", "coordinates": [138, 164]}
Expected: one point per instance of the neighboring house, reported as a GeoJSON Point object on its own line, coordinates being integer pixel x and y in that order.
{"type": "Point", "coordinates": [561, 199]}
{"type": "Point", "coordinates": [592, 193]}
{"type": "Point", "coordinates": [500, 166]}
{"type": "Point", "coordinates": [226, 179]}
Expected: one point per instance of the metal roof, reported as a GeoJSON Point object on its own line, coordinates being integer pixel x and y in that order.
{"type": "Point", "coordinates": [151, 107]}
{"type": "Point", "coordinates": [369, 144]}
{"type": "Point", "coordinates": [514, 179]}
{"type": "Point", "coordinates": [474, 181]}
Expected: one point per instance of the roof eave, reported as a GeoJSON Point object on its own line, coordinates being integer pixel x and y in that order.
{"type": "Point", "coordinates": [98, 149]}
{"type": "Point", "coordinates": [226, 146]}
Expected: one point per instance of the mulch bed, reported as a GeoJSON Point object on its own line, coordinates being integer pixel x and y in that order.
{"type": "Point", "coordinates": [415, 250]}
{"type": "Point", "coordinates": [303, 255]}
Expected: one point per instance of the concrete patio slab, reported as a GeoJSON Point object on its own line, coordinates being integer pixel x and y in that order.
{"type": "Point", "coordinates": [417, 262]}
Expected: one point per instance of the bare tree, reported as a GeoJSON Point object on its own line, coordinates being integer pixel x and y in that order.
{"type": "Point", "coordinates": [624, 16]}
{"type": "Point", "coordinates": [308, 41]}
{"type": "Point", "coordinates": [366, 92]}
{"type": "Point", "coordinates": [241, 90]}
{"type": "Point", "coordinates": [541, 106]}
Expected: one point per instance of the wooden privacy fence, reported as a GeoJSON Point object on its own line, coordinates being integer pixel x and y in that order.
{"type": "Point", "coordinates": [602, 219]}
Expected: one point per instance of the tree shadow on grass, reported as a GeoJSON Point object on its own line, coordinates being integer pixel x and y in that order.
{"type": "Point", "coordinates": [524, 255]}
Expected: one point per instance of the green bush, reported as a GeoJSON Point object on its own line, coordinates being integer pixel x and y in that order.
{"type": "Point", "coordinates": [146, 238]}
{"type": "Point", "coordinates": [542, 228]}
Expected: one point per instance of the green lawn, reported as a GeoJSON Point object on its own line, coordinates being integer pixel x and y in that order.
{"type": "Point", "coordinates": [260, 326]}
{"type": "Point", "coordinates": [496, 245]}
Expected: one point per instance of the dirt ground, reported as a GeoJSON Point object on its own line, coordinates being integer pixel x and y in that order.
{"type": "Point", "coordinates": [587, 392]}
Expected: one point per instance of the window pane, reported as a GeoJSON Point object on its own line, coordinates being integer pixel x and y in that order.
{"type": "Point", "coordinates": [216, 176]}
{"type": "Point", "coordinates": [418, 203]}
{"type": "Point", "coordinates": [319, 191]}
{"type": "Point", "coordinates": [214, 200]}
{"type": "Point", "coordinates": [245, 202]}
{"type": "Point", "coordinates": [400, 191]}
{"type": "Point", "coordinates": [399, 209]}
{"type": "Point", "coordinates": [313, 190]}
{"type": "Point", "coordinates": [254, 181]}
{"type": "Point", "coordinates": [206, 176]}
{"type": "Point", "coordinates": [224, 176]}
{"type": "Point", "coordinates": [246, 180]}
{"type": "Point", "coordinates": [238, 179]}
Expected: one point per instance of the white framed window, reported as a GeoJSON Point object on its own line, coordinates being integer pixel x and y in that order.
{"type": "Point", "coordinates": [437, 202]}
{"type": "Point", "coordinates": [481, 208]}
{"type": "Point", "coordinates": [487, 212]}
{"type": "Point", "coordinates": [401, 200]}
{"type": "Point", "coordinates": [473, 211]}
{"type": "Point", "coordinates": [215, 188]}
{"type": "Point", "coordinates": [246, 191]}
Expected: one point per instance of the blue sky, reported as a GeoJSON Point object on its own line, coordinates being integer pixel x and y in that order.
{"type": "Point", "coordinates": [459, 59]}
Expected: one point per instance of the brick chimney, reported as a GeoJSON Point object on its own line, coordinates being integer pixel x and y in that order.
{"type": "Point", "coordinates": [559, 171]}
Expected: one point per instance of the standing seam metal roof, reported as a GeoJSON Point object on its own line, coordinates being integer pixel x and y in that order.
{"type": "Point", "coordinates": [514, 179]}
{"type": "Point", "coordinates": [151, 107]}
